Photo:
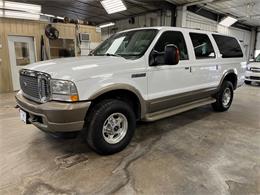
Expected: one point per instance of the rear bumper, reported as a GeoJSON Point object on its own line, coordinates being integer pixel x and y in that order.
{"type": "Point", "coordinates": [55, 116]}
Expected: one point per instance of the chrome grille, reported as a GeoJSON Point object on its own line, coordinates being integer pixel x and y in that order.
{"type": "Point", "coordinates": [254, 78]}
{"type": "Point", "coordinates": [35, 85]}
{"type": "Point", "coordinates": [254, 69]}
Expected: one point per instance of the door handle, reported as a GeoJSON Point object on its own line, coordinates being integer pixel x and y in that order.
{"type": "Point", "coordinates": [188, 68]}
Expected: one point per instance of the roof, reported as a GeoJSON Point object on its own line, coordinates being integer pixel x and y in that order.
{"type": "Point", "coordinates": [175, 28]}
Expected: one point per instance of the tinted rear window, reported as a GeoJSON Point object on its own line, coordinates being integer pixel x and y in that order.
{"type": "Point", "coordinates": [228, 46]}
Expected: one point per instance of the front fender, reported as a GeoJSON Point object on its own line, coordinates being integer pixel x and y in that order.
{"type": "Point", "coordinates": [92, 88]}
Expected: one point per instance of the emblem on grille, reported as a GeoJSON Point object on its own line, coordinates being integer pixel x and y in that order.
{"type": "Point", "coordinates": [25, 84]}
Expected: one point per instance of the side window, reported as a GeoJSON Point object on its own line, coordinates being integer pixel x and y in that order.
{"type": "Point", "coordinates": [202, 46]}
{"type": "Point", "coordinates": [172, 37]}
{"type": "Point", "coordinates": [228, 46]}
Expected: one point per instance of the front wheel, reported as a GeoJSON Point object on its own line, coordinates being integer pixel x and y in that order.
{"type": "Point", "coordinates": [110, 126]}
{"type": "Point", "coordinates": [224, 97]}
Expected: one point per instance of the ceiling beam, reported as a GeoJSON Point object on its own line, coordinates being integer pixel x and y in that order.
{"type": "Point", "coordinates": [134, 3]}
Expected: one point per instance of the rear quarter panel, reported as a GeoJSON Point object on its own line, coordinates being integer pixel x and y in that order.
{"type": "Point", "coordinates": [237, 65]}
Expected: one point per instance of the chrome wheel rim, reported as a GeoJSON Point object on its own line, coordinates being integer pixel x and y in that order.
{"type": "Point", "coordinates": [115, 128]}
{"type": "Point", "coordinates": [226, 97]}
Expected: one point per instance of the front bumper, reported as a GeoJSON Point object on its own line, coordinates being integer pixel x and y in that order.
{"type": "Point", "coordinates": [54, 116]}
{"type": "Point", "coordinates": [252, 76]}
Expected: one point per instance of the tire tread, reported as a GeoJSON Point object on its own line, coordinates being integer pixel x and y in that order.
{"type": "Point", "coordinates": [95, 115]}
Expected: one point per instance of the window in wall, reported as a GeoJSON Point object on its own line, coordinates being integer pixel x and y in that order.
{"type": "Point", "coordinates": [22, 53]}
{"type": "Point", "coordinates": [228, 46]}
{"type": "Point", "coordinates": [61, 48]}
{"type": "Point", "coordinates": [172, 37]}
{"type": "Point", "coordinates": [202, 46]}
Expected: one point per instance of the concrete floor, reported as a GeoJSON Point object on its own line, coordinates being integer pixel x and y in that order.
{"type": "Point", "coordinates": [197, 152]}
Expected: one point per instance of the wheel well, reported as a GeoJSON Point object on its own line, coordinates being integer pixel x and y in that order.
{"type": "Point", "coordinates": [124, 95]}
{"type": "Point", "coordinates": [232, 77]}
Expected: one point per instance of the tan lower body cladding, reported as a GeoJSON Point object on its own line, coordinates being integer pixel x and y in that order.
{"type": "Point", "coordinates": [170, 105]}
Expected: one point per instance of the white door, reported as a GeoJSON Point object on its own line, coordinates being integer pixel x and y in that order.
{"type": "Point", "coordinates": [169, 80]}
{"type": "Point", "coordinates": [21, 53]}
{"type": "Point", "coordinates": [205, 68]}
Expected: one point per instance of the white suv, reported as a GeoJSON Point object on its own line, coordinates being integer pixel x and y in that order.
{"type": "Point", "coordinates": [253, 71]}
{"type": "Point", "coordinates": [139, 74]}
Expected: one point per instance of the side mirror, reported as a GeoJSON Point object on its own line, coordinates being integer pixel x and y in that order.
{"type": "Point", "coordinates": [171, 54]}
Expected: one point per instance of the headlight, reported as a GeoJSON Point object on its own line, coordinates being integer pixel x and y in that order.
{"type": "Point", "coordinates": [248, 68]}
{"type": "Point", "coordinates": [64, 90]}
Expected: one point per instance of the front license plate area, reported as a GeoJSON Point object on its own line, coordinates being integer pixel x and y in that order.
{"type": "Point", "coordinates": [24, 116]}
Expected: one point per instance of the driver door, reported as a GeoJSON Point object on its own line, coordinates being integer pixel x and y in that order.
{"type": "Point", "coordinates": [167, 84]}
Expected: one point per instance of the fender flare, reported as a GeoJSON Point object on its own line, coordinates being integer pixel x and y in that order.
{"type": "Point", "coordinates": [121, 86]}
{"type": "Point", "coordinates": [230, 71]}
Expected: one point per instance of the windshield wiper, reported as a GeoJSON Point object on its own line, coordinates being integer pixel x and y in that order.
{"type": "Point", "coordinates": [111, 54]}
{"type": "Point", "coordinates": [128, 54]}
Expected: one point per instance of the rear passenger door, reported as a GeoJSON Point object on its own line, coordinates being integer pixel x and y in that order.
{"type": "Point", "coordinates": [205, 68]}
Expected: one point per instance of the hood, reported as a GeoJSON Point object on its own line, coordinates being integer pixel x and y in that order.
{"type": "Point", "coordinates": [254, 64]}
{"type": "Point", "coordinates": [80, 68]}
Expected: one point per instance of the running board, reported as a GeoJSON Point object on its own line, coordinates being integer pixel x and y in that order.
{"type": "Point", "coordinates": [178, 109]}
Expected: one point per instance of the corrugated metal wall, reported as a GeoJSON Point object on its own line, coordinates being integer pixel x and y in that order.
{"type": "Point", "coordinates": [150, 19]}
{"type": "Point", "coordinates": [199, 22]}
{"type": "Point", "coordinates": [257, 46]}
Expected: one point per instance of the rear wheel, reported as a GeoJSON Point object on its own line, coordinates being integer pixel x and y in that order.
{"type": "Point", "coordinates": [110, 126]}
{"type": "Point", "coordinates": [248, 82]}
{"type": "Point", "coordinates": [224, 97]}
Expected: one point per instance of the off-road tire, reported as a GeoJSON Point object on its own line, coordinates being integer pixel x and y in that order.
{"type": "Point", "coordinates": [219, 105]}
{"type": "Point", "coordinates": [94, 126]}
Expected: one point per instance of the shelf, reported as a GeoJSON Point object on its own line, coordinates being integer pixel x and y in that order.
{"type": "Point", "coordinates": [62, 48]}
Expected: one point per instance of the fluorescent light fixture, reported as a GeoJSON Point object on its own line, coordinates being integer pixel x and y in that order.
{"type": "Point", "coordinates": [20, 6]}
{"type": "Point", "coordinates": [228, 21]}
{"type": "Point", "coordinates": [107, 25]}
{"type": "Point", "coordinates": [1, 13]}
{"type": "Point", "coordinates": [21, 15]}
{"type": "Point", "coordinates": [113, 6]}
{"type": "Point", "coordinates": [48, 15]}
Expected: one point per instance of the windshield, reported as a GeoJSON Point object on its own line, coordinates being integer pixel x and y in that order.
{"type": "Point", "coordinates": [130, 45]}
{"type": "Point", "coordinates": [257, 59]}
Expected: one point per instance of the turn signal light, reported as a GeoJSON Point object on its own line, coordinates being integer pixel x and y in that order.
{"type": "Point", "coordinates": [74, 98]}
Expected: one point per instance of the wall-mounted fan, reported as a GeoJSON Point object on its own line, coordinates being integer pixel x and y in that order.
{"type": "Point", "coordinates": [51, 32]}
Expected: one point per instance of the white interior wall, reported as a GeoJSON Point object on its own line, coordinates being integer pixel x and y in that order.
{"type": "Point", "coordinates": [150, 19]}
{"type": "Point", "coordinates": [257, 48]}
{"type": "Point", "coordinates": [199, 22]}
